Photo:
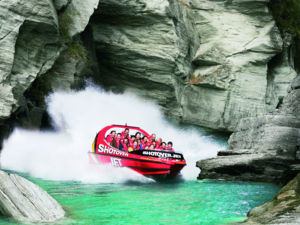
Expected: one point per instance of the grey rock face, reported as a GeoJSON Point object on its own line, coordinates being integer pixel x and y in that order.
{"type": "Point", "coordinates": [137, 46]}
{"type": "Point", "coordinates": [32, 39]}
{"type": "Point", "coordinates": [209, 62]}
{"type": "Point", "coordinates": [284, 208]}
{"type": "Point", "coordinates": [265, 148]}
{"type": "Point", "coordinates": [26, 202]}
{"type": "Point", "coordinates": [26, 49]}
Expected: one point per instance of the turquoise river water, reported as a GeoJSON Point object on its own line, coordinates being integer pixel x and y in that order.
{"type": "Point", "coordinates": [57, 161]}
{"type": "Point", "coordinates": [204, 202]}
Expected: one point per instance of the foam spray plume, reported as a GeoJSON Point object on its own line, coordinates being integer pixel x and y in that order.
{"type": "Point", "coordinates": [77, 116]}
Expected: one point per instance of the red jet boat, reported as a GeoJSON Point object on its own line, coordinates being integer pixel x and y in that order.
{"type": "Point", "coordinates": [156, 164]}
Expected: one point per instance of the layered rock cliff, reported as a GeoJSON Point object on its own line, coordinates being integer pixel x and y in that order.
{"type": "Point", "coordinates": [264, 148]}
{"type": "Point", "coordinates": [208, 62]}
{"type": "Point", "coordinates": [41, 51]}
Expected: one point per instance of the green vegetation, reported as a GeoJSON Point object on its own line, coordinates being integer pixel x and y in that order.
{"type": "Point", "coordinates": [287, 15]}
{"type": "Point", "coordinates": [77, 50]}
{"type": "Point", "coordinates": [64, 21]}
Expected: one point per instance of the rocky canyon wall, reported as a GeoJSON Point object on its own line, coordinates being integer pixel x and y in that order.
{"type": "Point", "coordinates": [41, 51]}
{"type": "Point", "coordinates": [265, 148]}
{"type": "Point", "coordinates": [206, 62]}
{"type": "Point", "coordinates": [209, 63]}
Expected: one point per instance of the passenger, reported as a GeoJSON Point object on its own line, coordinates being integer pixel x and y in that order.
{"type": "Point", "coordinates": [134, 147]}
{"type": "Point", "coordinates": [137, 135]}
{"type": "Point", "coordinates": [144, 142]}
{"type": "Point", "coordinates": [154, 144]}
{"type": "Point", "coordinates": [131, 140]}
{"type": "Point", "coordinates": [125, 133]}
{"type": "Point", "coordinates": [111, 136]}
{"type": "Point", "coordinates": [118, 139]}
{"type": "Point", "coordinates": [170, 147]}
{"type": "Point", "coordinates": [140, 144]}
{"type": "Point", "coordinates": [114, 143]}
{"type": "Point", "coordinates": [159, 141]}
{"type": "Point", "coordinates": [125, 144]}
{"type": "Point", "coordinates": [163, 146]}
{"type": "Point", "coordinates": [153, 137]}
{"type": "Point", "coordinates": [150, 147]}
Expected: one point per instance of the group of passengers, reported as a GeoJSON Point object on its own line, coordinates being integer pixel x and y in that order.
{"type": "Point", "coordinates": [126, 142]}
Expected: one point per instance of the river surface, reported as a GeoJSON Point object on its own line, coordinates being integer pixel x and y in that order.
{"type": "Point", "coordinates": [91, 194]}
{"type": "Point", "coordinates": [205, 202]}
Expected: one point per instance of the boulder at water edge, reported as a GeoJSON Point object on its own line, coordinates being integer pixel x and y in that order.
{"type": "Point", "coordinates": [284, 208]}
{"type": "Point", "coordinates": [25, 201]}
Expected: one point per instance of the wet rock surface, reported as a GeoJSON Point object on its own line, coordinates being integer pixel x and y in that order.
{"type": "Point", "coordinates": [284, 208]}
{"type": "Point", "coordinates": [25, 202]}
{"type": "Point", "coordinates": [265, 148]}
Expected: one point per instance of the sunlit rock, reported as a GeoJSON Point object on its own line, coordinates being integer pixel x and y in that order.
{"type": "Point", "coordinates": [26, 202]}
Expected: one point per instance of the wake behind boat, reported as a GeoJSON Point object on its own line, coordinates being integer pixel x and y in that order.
{"type": "Point", "coordinates": [158, 164]}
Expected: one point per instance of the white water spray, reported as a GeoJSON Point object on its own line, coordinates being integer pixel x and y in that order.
{"type": "Point", "coordinates": [77, 116]}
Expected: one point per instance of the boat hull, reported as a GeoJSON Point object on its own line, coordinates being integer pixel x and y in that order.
{"type": "Point", "coordinates": [155, 168]}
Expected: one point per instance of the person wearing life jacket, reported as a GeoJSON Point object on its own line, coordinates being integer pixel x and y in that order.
{"type": "Point", "coordinates": [154, 144]}
{"type": "Point", "coordinates": [111, 136]}
{"type": "Point", "coordinates": [140, 144]}
{"type": "Point", "coordinates": [119, 141]}
{"type": "Point", "coordinates": [125, 133]}
{"type": "Point", "coordinates": [157, 144]}
{"type": "Point", "coordinates": [163, 146]}
{"type": "Point", "coordinates": [150, 147]}
{"type": "Point", "coordinates": [170, 147]}
{"type": "Point", "coordinates": [113, 143]}
{"type": "Point", "coordinates": [134, 147]}
{"type": "Point", "coordinates": [131, 139]}
{"type": "Point", "coordinates": [144, 142]}
{"type": "Point", "coordinates": [138, 135]}
{"type": "Point", "coordinates": [125, 144]}
{"type": "Point", "coordinates": [153, 137]}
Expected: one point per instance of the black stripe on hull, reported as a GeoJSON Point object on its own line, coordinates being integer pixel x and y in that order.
{"type": "Point", "coordinates": [122, 157]}
{"type": "Point", "coordinates": [147, 168]}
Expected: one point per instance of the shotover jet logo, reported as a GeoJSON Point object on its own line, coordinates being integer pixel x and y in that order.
{"type": "Point", "coordinates": [115, 162]}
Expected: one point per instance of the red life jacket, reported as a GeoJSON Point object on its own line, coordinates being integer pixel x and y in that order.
{"type": "Point", "coordinates": [162, 148]}
{"type": "Point", "coordinates": [157, 143]}
{"type": "Point", "coordinates": [118, 142]}
{"type": "Point", "coordinates": [149, 140]}
{"type": "Point", "coordinates": [125, 148]}
{"type": "Point", "coordinates": [123, 135]}
{"type": "Point", "coordinates": [109, 138]}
